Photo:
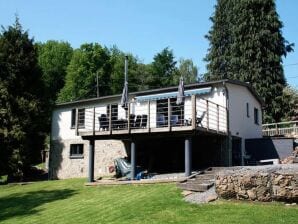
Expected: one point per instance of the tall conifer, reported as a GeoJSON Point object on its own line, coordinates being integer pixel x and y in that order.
{"type": "Point", "coordinates": [246, 44]}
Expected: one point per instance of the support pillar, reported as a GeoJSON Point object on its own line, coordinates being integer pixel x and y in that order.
{"type": "Point", "coordinates": [91, 161]}
{"type": "Point", "coordinates": [188, 156]}
{"type": "Point", "coordinates": [133, 159]}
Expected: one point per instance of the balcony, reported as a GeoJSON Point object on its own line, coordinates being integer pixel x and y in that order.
{"type": "Point", "coordinates": [152, 116]}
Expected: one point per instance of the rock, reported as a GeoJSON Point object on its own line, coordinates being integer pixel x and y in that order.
{"type": "Point", "coordinates": [211, 198]}
{"type": "Point", "coordinates": [186, 193]}
{"type": "Point", "coordinates": [252, 194]}
{"type": "Point", "coordinates": [261, 183]}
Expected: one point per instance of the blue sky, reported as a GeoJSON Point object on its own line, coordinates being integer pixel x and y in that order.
{"type": "Point", "coordinates": [142, 28]}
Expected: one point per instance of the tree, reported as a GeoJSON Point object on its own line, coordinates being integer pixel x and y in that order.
{"type": "Point", "coordinates": [220, 40]}
{"type": "Point", "coordinates": [53, 58]}
{"type": "Point", "coordinates": [187, 70]}
{"type": "Point", "coordinates": [21, 103]}
{"type": "Point", "coordinates": [290, 103]}
{"type": "Point", "coordinates": [246, 44]}
{"type": "Point", "coordinates": [136, 72]}
{"type": "Point", "coordinates": [163, 69]}
{"type": "Point", "coordinates": [87, 62]}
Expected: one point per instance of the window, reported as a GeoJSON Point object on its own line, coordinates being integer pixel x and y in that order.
{"type": "Point", "coordinates": [256, 116]}
{"type": "Point", "coordinates": [177, 112]}
{"type": "Point", "coordinates": [73, 118]}
{"type": "Point", "coordinates": [247, 109]}
{"type": "Point", "coordinates": [114, 108]}
{"type": "Point", "coordinates": [81, 118]}
{"type": "Point", "coordinates": [76, 150]}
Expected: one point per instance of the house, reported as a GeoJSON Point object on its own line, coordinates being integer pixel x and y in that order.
{"type": "Point", "coordinates": [208, 129]}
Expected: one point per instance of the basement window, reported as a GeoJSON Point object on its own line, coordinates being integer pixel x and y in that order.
{"type": "Point", "coordinates": [76, 151]}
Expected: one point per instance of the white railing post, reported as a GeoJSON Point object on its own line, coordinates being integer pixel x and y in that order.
{"type": "Point", "coordinates": [194, 114]}
{"type": "Point", "coordinates": [77, 122]}
{"type": "Point", "coordinates": [207, 113]}
{"type": "Point", "coordinates": [93, 122]}
{"type": "Point", "coordinates": [169, 113]}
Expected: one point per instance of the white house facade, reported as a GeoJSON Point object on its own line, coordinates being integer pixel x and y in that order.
{"type": "Point", "coordinates": [208, 129]}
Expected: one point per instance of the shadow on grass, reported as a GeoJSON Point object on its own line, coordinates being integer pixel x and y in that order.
{"type": "Point", "coordinates": [23, 204]}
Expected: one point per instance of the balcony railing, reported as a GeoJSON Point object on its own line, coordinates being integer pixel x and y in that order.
{"type": "Point", "coordinates": [153, 116]}
{"type": "Point", "coordinates": [287, 129]}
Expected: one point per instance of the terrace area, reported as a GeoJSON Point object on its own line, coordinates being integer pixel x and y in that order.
{"type": "Point", "coordinates": [150, 115]}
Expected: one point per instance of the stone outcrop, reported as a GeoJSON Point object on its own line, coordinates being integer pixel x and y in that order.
{"type": "Point", "coordinates": [261, 183]}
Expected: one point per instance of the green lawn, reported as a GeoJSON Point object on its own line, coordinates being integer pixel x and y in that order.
{"type": "Point", "coordinates": [69, 201]}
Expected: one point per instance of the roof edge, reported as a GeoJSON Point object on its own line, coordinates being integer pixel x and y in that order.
{"type": "Point", "coordinates": [172, 88]}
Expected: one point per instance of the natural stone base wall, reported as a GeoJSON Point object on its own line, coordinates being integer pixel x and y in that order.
{"type": "Point", "coordinates": [62, 166]}
{"type": "Point", "coordinates": [261, 183]}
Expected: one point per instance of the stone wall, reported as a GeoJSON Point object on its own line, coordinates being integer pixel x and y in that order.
{"type": "Point", "coordinates": [261, 183]}
{"type": "Point", "coordinates": [61, 166]}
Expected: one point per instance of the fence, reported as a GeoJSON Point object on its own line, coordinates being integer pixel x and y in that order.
{"type": "Point", "coordinates": [287, 129]}
{"type": "Point", "coordinates": [152, 116]}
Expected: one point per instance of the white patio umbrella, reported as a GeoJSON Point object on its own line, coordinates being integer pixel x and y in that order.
{"type": "Point", "coordinates": [180, 94]}
{"type": "Point", "coordinates": [124, 97]}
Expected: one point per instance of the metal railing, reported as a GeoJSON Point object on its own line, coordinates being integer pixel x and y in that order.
{"type": "Point", "coordinates": [287, 129]}
{"type": "Point", "coordinates": [157, 115]}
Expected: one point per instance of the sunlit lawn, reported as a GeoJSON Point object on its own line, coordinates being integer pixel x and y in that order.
{"type": "Point", "coordinates": [69, 201]}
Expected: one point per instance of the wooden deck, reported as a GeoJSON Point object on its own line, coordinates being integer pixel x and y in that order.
{"type": "Point", "coordinates": [197, 115]}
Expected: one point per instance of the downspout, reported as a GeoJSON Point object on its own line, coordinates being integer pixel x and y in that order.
{"type": "Point", "coordinates": [227, 106]}
{"type": "Point", "coordinates": [229, 143]}
{"type": "Point", "coordinates": [50, 148]}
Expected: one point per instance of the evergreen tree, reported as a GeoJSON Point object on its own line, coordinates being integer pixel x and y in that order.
{"type": "Point", "coordinates": [246, 44]}
{"type": "Point", "coordinates": [22, 111]}
{"type": "Point", "coordinates": [163, 69]}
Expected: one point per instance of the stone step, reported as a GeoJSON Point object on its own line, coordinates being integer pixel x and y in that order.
{"type": "Point", "coordinates": [205, 176]}
{"type": "Point", "coordinates": [195, 187]}
{"type": "Point", "coordinates": [201, 182]}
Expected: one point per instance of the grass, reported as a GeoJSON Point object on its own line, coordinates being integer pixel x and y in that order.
{"type": "Point", "coordinates": [3, 179]}
{"type": "Point", "coordinates": [69, 201]}
{"type": "Point", "coordinates": [41, 166]}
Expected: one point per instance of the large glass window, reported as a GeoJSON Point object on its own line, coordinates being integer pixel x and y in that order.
{"type": "Point", "coordinates": [81, 118]}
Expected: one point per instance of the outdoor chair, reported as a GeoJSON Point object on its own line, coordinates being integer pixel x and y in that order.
{"type": "Point", "coordinates": [200, 119]}
{"type": "Point", "coordinates": [161, 121]}
{"type": "Point", "coordinates": [144, 120]}
{"type": "Point", "coordinates": [103, 122]}
{"type": "Point", "coordinates": [174, 120]}
{"type": "Point", "coordinates": [132, 120]}
{"type": "Point", "coordinates": [138, 121]}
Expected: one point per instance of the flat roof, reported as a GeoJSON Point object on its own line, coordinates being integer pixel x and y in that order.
{"type": "Point", "coordinates": [166, 89]}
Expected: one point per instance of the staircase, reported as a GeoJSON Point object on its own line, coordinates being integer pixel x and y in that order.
{"type": "Point", "coordinates": [201, 181]}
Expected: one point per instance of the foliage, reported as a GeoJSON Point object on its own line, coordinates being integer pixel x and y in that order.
{"type": "Point", "coordinates": [53, 58]}
{"type": "Point", "coordinates": [86, 63]}
{"type": "Point", "coordinates": [187, 70]}
{"type": "Point", "coordinates": [290, 103]}
{"type": "Point", "coordinates": [136, 72]}
{"type": "Point", "coordinates": [22, 103]}
{"type": "Point", "coordinates": [246, 44]}
{"type": "Point", "coordinates": [69, 201]}
{"type": "Point", "coordinates": [163, 69]}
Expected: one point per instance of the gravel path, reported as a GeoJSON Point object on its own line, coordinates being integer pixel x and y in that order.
{"type": "Point", "coordinates": [201, 197]}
